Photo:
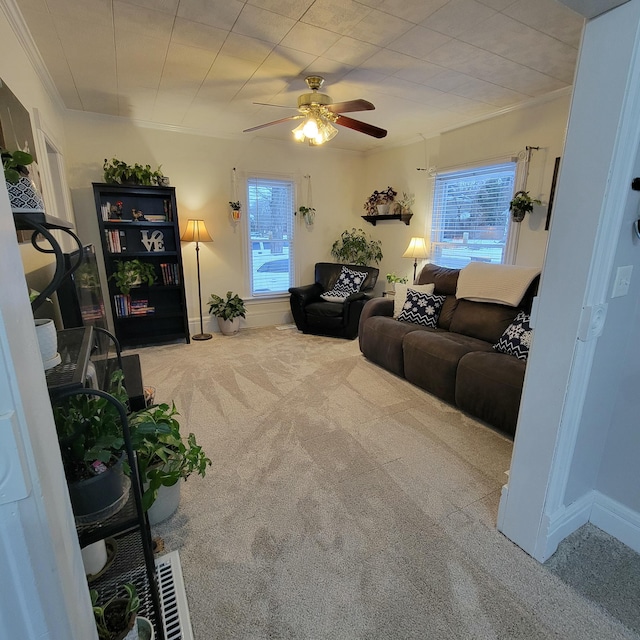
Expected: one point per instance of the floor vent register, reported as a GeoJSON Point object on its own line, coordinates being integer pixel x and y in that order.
{"type": "Point", "coordinates": [175, 611]}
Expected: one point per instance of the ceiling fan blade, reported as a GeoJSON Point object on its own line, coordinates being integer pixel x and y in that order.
{"type": "Point", "coordinates": [362, 127]}
{"type": "Point", "coordinates": [268, 124]}
{"type": "Point", "coordinates": [350, 105]}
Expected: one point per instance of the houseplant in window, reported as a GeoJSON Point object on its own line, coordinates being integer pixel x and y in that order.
{"type": "Point", "coordinates": [522, 204]}
{"type": "Point", "coordinates": [379, 201]}
{"type": "Point", "coordinates": [228, 310]}
{"type": "Point", "coordinates": [164, 458]}
{"type": "Point", "coordinates": [23, 193]}
{"type": "Point", "coordinates": [133, 273]}
{"type": "Point", "coordinates": [353, 247]}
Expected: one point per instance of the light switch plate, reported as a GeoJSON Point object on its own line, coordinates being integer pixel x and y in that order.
{"type": "Point", "coordinates": [622, 281]}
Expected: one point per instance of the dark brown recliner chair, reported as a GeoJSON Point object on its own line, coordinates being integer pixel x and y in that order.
{"type": "Point", "coordinates": [314, 315]}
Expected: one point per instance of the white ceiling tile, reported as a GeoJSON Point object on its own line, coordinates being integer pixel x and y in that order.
{"type": "Point", "coordinates": [251, 49]}
{"type": "Point", "coordinates": [262, 24]}
{"type": "Point", "coordinates": [290, 8]}
{"type": "Point", "coordinates": [331, 70]}
{"type": "Point", "coordinates": [170, 107]}
{"type": "Point", "coordinates": [140, 62]}
{"type": "Point", "coordinates": [168, 6]}
{"type": "Point", "coordinates": [199, 35]}
{"type": "Point", "coordinates": [93, 99]}
{"type": "Point", "coordinates": [418, 42]}
{"type": "Point", "coordinates": [38, 6]}
{"type": "Point", "coordinates": [550, 17]}
{"type": "Point", "coordinates": [458, 16]}
{"type": "Point", "coordinates": [305, 37]}
{"type": "Point", "coordinates": [95, 11]}
{"type": "Point", "coordinates": [283, 61]}
{"type": "Point", "coordinates": [351, 51]}
{"type": "Point", "coordinates": [340, 16]}
{"type": "Point", "coordinates": [421, 73]}
{"type": "Point", "coordinates": [130, 19]}
{"type": "Point", "coordinates": [498, 5]}
{"type": "Point", "coordinates": [221, 14]}
{"type": "Point", "coordinates": [137, 102]}
{"type": "Point", "coordinates": [380, 28]}
{"type": "Point", "coordinates": [518, 42]}
{"type": "Point", "coordinates": [483, 91]}
{"type": "Point", "coordinates": [226, 77]}
{"type": "Point", "coordinates": [387, 62]}
{"type": "Point", "coordinates": [413, 10]}
{"type": "Point", "coordinates": [185, 68]}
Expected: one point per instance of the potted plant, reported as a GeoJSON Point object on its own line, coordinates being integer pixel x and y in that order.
{"type": "Point", "coordinates": [392, 279]}
{"type": "Point", "coordinates": [164, 458]}
{"type": "Point", "coordinates": [116, 618]}
{"type": "Point", "coordinates": [118, 172]}
{"type": "Point", "coordinates": [23, 194]}
{"type": "Point", "coordinates": [406, 202]}
{"type": "Point", "coordinates": [378, 202]}
{"type": "Point", "coordinates": [132, 273]}
{"type": "Point", "coordinates": [47, 335]}
{"type": "Point", "coordinates": [308, 213]}
{"type": "Point", "coordinates": [89, 429]}
{"type": "Point", "coordinates": [228, 310]}
{"type": "Point", "coordinates": [521, 204]}
{"type": "Point", "coordinates": [353, 247]}
{"type": "Point", "coordinates": [236, 209]}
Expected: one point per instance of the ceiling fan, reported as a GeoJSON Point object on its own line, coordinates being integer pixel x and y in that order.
{"type": "Point", "coordinates": [319, 113]}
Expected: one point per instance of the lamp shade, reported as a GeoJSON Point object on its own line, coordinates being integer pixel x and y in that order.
{"type": "Point", "coordinates": [417, 249]}
{"type": "Point", "coordinates": [196, 231]}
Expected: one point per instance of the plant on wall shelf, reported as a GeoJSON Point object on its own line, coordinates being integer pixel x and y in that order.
{"type": "Point", "coordinates": [377, 198]}
{"type": "Point", "coordinates": [132, 273]}
{"type": "Point", "coordinates": [353, 247]}
{"type": "Point", "coordinates": [118, 172]}
{"type": "Point", "coordinates": [521, 204]}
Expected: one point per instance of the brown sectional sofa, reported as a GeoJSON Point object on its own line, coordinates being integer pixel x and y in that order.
{"type": "Point", "coordinates": [456, 361]}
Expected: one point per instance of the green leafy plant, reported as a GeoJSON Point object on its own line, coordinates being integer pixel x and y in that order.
{"type": "Point", "coordinates": [117, 615]}
{"type": "Point", "coordinates": [521, 204]}
{"type": "Point", "coordinates": [15, 164]}
{"type": "Point", "coordinates": [89, 430]}
{"type": "Point", "coordinates": [308, 213]}
{"type": "Point", "coordinates": [236, 206]}
{"type": "Point", "coordinates": [164, 456]}
{"type": "Point", "coordinates": [353, 247]}
{"type": "Point", "coordinates": [407, 201]}
{"type": "Point", "coordinates": [227, 308]}
{"type": "Point", "coordinates": [119, 172]}
{"type": "Point", "coordinates": [130, 273]}
{"type": "Point", "coordinates": [392, 277]}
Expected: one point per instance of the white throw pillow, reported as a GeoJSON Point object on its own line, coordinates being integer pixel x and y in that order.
{"type": "Point", "coordinates": [401, 294]}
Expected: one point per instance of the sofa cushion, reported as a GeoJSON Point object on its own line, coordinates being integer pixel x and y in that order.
{"type": "Point", "coordinates": [401, 294]}
{"type": "Point", "coordinates": [489, 386]}
{"type": "Point", "coordinates": [421, 308]}
{"type": "Point", "coordinates": [431, 359]}
{"type": "Point", "coordinates": [381, 341]}
{"type": "Point", "coordinates": [348, 282]}
{"type": "Point", "coordinates": [482, 320]}
{"type": "Point", "coordinates": [516, 339]}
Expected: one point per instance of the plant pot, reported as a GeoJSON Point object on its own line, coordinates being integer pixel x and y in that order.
{"type": "Point", "coordinates": [130, 632]}
{"type": "Point", "coordinates": [518, 216]}
{"type": "Point", "coordinates": [165, 504]}
{"type": "Point", "coordinates": [145, 629]}
{"type": "Point", "coordinates": [48, 342]}
{"type": "Point", "coordinates": [98, 557]}
{"type": "Point", "coordinates": [101, 496]}
{"type": "Point", "coordinates": [229, 327]}
{"type": "Point", "coordinates": [383, 209]}
{"type": "Point", "coordinates": [24, 196]}
{"type": "Point", "coordinates": [309, 217]}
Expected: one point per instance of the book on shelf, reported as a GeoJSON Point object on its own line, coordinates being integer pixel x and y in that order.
{"type": "Point", "coordinates": [156, 217]}
{"type": "Point", "coordinates": [169, 273]}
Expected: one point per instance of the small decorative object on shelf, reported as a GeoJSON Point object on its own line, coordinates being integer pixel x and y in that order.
{"type": "Point", "coordinates": [406, 202]}
{"type": "Point", "coordinates": [228, 310]}
{"type": "Point", "coordinates": [353, 247]}
{"type": "Point", "coordinates": [378, 202]}
{"type": "Point", "coordinates": [154, 309]}
{"type": "Point", "coordinates": [522, 204]}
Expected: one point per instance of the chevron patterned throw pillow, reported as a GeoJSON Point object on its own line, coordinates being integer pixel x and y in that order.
{"type": "Point", "coordinates": [349, 281]}
{"type": "Point", "coordinates": [516, 339]}
{"type": "Point", "coordinates": [422, 308]}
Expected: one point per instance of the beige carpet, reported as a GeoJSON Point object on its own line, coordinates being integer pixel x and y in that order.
{"type": "Point", "coordinates": [344, 503]}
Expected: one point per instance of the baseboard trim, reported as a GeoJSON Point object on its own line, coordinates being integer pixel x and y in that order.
{"type": "Point", "coordinates": [617, 520]}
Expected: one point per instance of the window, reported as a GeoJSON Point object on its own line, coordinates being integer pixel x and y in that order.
{"type": "Point", "coordinates": [471, 215]}
{"type": "Point", "coordinates": [270, 221]}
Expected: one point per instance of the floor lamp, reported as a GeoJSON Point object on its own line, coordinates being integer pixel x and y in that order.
{"type": "Point", "coordinates": [197, 232]}
{"type": "Point", "coordinates": [417, 249]}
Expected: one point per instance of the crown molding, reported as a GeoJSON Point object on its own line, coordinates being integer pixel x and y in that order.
{"type": "Point", "coordinates": [22, 33]}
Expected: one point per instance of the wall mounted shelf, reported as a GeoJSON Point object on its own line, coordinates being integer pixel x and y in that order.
{"type": "Point", "coordinates": [404, 217]}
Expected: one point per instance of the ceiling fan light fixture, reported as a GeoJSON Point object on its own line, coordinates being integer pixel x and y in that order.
{"type": "Point", "coordinates": [310, 127]}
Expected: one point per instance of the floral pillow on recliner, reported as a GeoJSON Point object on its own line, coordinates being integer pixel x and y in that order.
{"type": "Point", "coordinates": [349, 282]}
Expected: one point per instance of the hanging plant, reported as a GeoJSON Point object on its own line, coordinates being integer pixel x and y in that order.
{"type": "Point", "coordinates": [308, 213]}
{"type": "Point", "coordinates": [236, 209]}
{"type": "Point", "coordinates": [522, 204]}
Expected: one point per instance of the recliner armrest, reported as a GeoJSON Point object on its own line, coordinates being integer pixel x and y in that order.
{"type": "Point", "coordinates": [307, 293]}
{"type": "Point", "coordinates": [360, 295]}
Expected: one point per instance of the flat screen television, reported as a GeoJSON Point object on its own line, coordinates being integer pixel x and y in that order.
{"type": "Point", "coordinates": [80, 294]}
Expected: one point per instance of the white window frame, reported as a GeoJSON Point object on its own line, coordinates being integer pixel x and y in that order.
{"type": "Point", "coordinates": [248, 240]}
{"type": "Point", "coordinates": [511, 238]}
